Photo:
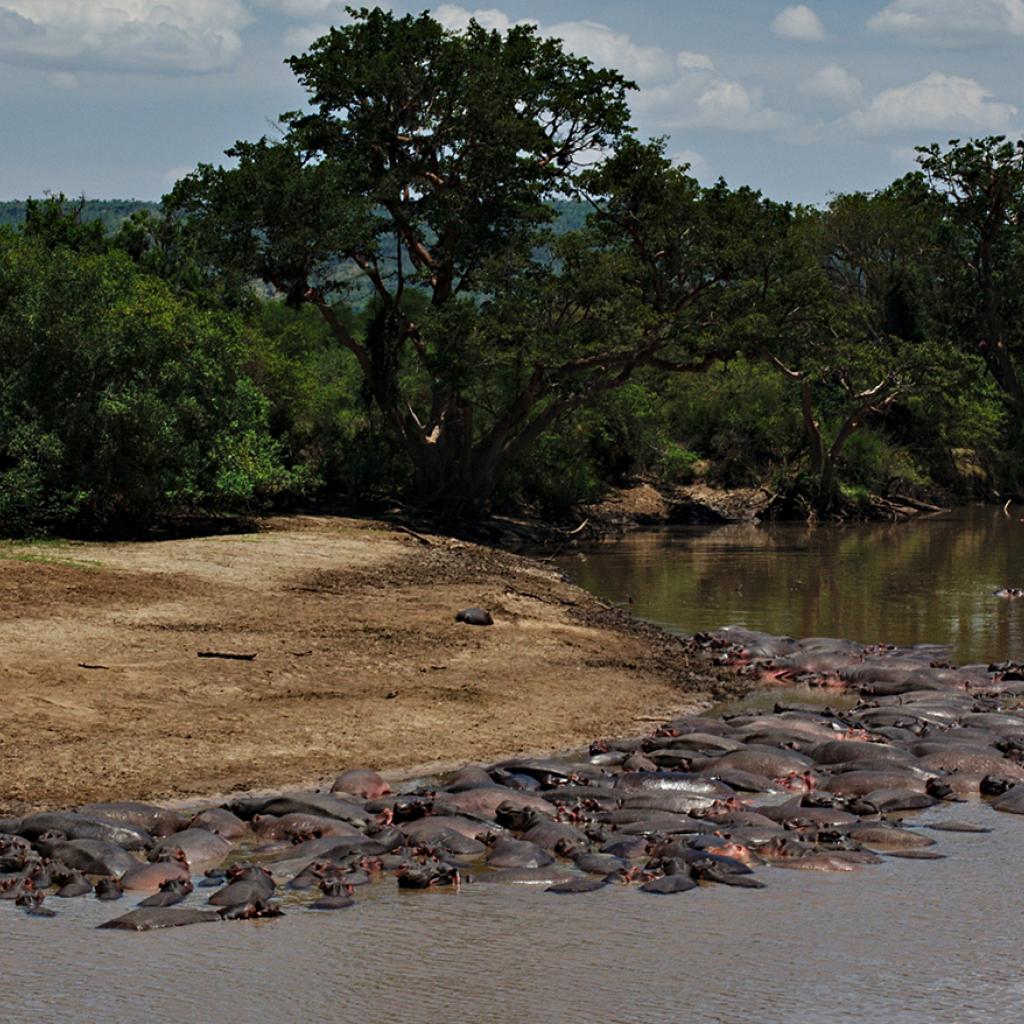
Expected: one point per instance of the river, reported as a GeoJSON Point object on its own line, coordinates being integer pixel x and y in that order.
{"type": "Point", "coordinates": [907, 942]}
{"type": "Point", "coordinates": [928, 581]}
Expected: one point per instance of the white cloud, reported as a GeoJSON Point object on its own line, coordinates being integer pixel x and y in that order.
{"type": "Point", "coordinates": [950, 21]}
{"type": "Point", "coordinates": [299, 37]}
{"type": "Point", "coordinates": [702, 98]}
{"type": "Point", "coordinates": [457, 19]}
{"type": "Point", "coordinates": [123, 35]}
{"type": "Point", "coordinates": [699, 167]}
{"type": "Point", "coordinates": [686, 60]}
{"type": "Point", "coordinates": [681, 90]}
{"type": "Point", "coordinates": [798, 22]}
{"type": "Point", "coordinates": [604, 46]}
{"type": "Point", "coordinates": [611, 49]}
{"type": "Point", "coordinates": [305, 8]}
{"type": "Point", "coordinates": [935, 102]}
{"type": "Point", "coordinates": [834, 85]}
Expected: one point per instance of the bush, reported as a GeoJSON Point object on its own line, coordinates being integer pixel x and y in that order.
{"type": "Point", "coordinates": [742, 416]}
{"type": "Point", "coordinates": [677, 465]}
{"type": "Point", "coordinates": [118, 401]}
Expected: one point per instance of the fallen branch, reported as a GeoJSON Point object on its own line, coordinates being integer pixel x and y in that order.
{"type": "Point", "coordinates": [83, 664]}
{"type": "Point", "coordinates": [543, 600]}
{"type": "Point", "coordinates": [921, 506]}
{"type": "Point", "coordinates": [412, 533]}
{"type": "Point", "coordinates": [579, 529]}
{"type": "Point", "coordinates": [226, 654]}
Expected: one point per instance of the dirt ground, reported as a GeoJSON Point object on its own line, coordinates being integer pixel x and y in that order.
{"type": "Point", "coordinates": [358, 660]}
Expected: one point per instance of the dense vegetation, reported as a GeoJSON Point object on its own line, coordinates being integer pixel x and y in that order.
{"type": "Point", "coordinates": [111, 213]}
{"type": "Point", "coordinates": [419, 291]}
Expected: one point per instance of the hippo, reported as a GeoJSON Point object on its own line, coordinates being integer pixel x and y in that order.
{"type": "Point", "coordinates": [75, 884]}
{"type": "Point", "coordinates": [1012, 801]}
{"type": "Point", "coordinates": [677, 803]}
{"type": "Point", "coordinates": [474, 617]}
{"type": "Point", "coordinates": [148, 918]}
{"type": "Point", "coordinates": [153, 875]}
{"type": "Point", "coordinates": [765, 761]}
{"type": "Point", "coordinates": [666, 885]}
{"type": "Point", "coordinates": [485, 801]}
{"type": "Point", "coordinates": [364, 783]}
{"type": "Point", "coordinates": [706, 742]}
{"type": "Point", "coordinates": [882, 835]}
{"type": "Point", "coordinates": [80, 826]}
{"type": "Point", "coordinates": [109, 889]}
{"type": "Point", "coordinates": [579, 885]}
{"type": "Point", "coordinates": [93, 857]}
{"type": "Point", "coordinates": [327, 804]}
{"type": "Point", "coordinates": [221, 821]}
{"type": "Point", "coordinates": [860, 783]}
{"type": "Point", "coordinates": [246, 884]}
{"type": "Point", "coordinates": [839, 751]}
{"type": "Point", "coordinates": [598, 863]}
{"type": "Point", "coordinates": [678, 783]}
{"type": "Point", "coordinates": [172, 892]}
{"type": "Point", "coordinates": [421, 829]}
{"type": "Point", "coordinates": [883, 801]}
{"type": "Point", "coordinates": [199, 846]}
{"type": "Point", "coordinates": [471, 777]}
{"type": "Point", "coordinates": [517, 853]}
{"type": "Point", "coordinates": [157, 821]}
{"type": "Point", "coordinates": [954, 760]}
{"type": "Point", "coordinates": [296, 824]}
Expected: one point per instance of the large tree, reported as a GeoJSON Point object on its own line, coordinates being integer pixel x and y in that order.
{"type": "Point", "coordinates": [425, 158]}
{"type": "Point", "coordinates": [427, 165]}
{"type": "Point", "coordinates": [853, 325]}
{"type": "Point", "coordinates": [980, 188]}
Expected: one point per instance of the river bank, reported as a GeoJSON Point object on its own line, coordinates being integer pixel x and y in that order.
{"type": "Point", "coordinates": [356, 659]}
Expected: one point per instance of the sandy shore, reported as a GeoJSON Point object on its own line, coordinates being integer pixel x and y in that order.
{"type": "Point", "coordinates": [358, 660]}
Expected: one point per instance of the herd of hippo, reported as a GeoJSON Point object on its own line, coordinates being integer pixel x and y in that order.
{"type": "Point", "coordinates": [701, 800]}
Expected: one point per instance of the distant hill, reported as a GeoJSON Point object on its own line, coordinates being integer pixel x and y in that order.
{"type": "Point", "coordinates": [110, 211]}
{"type": "Point", "coordinates": [113, 211]}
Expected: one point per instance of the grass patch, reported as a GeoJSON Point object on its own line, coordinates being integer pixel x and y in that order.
{"type": "Point", "coordinates": [29, 552]}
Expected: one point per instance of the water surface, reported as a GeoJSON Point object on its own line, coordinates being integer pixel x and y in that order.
{"type": "Point", "coordinates": [907, 942]}
{"type": "Point", "coordinates": [928, 581]}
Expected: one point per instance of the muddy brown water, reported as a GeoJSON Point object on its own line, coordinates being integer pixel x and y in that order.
{"type": "Point", "coordinates": [928, 581]}
{"type": "Point", "coordinates": [908, 942]}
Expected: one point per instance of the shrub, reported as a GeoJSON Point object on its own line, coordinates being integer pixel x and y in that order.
{"type": "Point", "coordinates": [118, 401]}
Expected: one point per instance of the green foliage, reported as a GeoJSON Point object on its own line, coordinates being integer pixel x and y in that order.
{"type": "Point", "coordinates": [110, 213]}
{"type": "Point", "coordinates": [427, 163]}
{"type": "Point", "coordinates": [118, 402]}
{"type": "Point", "coordinates": [978, 187]}
{"type": "Point", "coordinates": [677, 465]}
{"type": "Point", "coordinates": [330, 437]}
{"type": "Point", "coordinates": [741, 416]}
{"type": "Point", "coordinates": [416, 290]}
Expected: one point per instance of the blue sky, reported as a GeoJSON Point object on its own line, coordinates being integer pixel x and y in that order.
{"type": "Point", "coordinates": [118, 98]}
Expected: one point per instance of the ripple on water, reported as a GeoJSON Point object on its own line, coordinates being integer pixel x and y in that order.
{"type": "Point", "coordinates": [903, 942]}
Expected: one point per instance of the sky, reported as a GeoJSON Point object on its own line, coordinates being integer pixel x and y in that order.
{"type": "Point", "coordinates": [119, 98]}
